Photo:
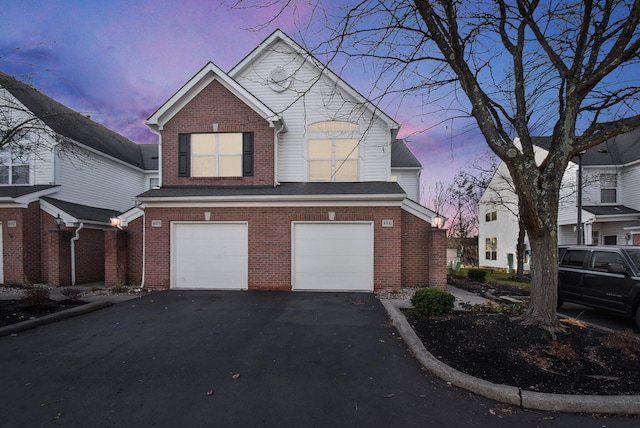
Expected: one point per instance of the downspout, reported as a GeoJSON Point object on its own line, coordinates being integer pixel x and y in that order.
{"type": "Point", "coordinates": [144, 248]}
{"type": "Point", "coordinates": [279, 128]}
{"type": "Point", "coordinates": [73, 254]}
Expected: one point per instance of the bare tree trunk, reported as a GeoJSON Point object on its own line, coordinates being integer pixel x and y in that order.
{"type": "Point", "coordinates": [544, 282]}
{"type": "Point", "coordinates": [520, 250]}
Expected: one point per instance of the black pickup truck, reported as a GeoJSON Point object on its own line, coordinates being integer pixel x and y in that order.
{"type": "Point", "coordinates": [605, 277]}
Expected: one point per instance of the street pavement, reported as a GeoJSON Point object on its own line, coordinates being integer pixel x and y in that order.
{"type": "Point", "coordinates": [239, 359]}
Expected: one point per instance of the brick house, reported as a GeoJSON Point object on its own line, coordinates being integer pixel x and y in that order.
{"type": "Point", "coordinates": [278, 175]}
{"type": "Point", "coordinates": [71, 169]}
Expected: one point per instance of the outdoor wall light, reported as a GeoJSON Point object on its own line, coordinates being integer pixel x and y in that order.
{"type": "Point", "coordinates": [207, 216]}
{"type": "Point", "coordinates": [57, 221]}
{"type": "Point", "coordinates": [116, 222]}
{"type": "Point", "coordinates": [332, 215]}
{"type": "Point", "coordinates": [437, 222]}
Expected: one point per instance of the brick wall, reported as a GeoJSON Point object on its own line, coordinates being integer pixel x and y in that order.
{"type": "Point", "coordinates": [32, 236]}
{"type": "Point", "coordinates": [115, 257]}
{"type": "Point", "coordinates": [215, 104]}
{"type": "Point", "coordinates": [56, 257]}
{"type": "Point", "coordinates": [134, 253]}
{"type": "Point", "coordinates": [270, 241]}
{"type": "Point", "coordinates": [438, 258]}
{"type": "Point", "coordinates": [90, 256]}
{"type": "Point", "coordinates": [13, 247]}
{"type": "Point", "coordinates": [415, 251]}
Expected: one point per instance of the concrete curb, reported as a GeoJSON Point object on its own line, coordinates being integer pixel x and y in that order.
{"type": "Point", "coordinates": [54, 317]}
{"type": "Point", "coordinates": [619, 404]}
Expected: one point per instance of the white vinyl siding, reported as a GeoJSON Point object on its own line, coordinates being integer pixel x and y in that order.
{"type": "Point", "coordinates": [94, 180]}
{"type": "Point", "coordinates": [629, 185]}
{"type": "Point", "coordinates": [409, 180]}
{"type": "Point", "coordinates": [320, 104]}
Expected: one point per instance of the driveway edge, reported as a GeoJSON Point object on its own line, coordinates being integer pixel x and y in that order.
{"type": "Point", "coordinates": [619, 404]}
{"type": "Point", "coordinates": [54, 317]}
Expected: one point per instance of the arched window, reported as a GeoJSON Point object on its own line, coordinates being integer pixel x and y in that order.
{"type": "Point", "coordinates": [332, 157]}
{"type": "Point", "coordinates": [333, 126]}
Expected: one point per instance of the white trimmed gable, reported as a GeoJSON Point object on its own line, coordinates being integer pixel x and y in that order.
{"type": "Point", "coordinates": [303, 91]}
{"type": "Point", "coordinates": [195, 85]}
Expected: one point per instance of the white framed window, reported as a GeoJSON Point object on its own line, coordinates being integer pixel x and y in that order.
{"type": "Point", "coordinates": [334, 156]}
{"type": "Point", "coordinates": [491, 216]}
{"type": "Point", "coordinates": [491, 248]}
{"type": "Point", "coordinates": [14, 167]}
{"type": "Point", "coordinates": [216, 155]}
{"type": "Point", "coordinates": [608, 188]}
{"type": "Point", "coordinates": [154, 182]}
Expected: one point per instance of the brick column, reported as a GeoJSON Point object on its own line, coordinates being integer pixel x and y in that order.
{"type": "Point", "coordinates": [57, 257]}
{"type": "Point", "coordinates": [115, 258]}
{"type": "Point", "coordinates": [438, 258]}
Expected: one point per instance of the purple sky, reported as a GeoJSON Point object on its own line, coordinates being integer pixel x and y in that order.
{"type": "Point", "coordinates": [120, 60]}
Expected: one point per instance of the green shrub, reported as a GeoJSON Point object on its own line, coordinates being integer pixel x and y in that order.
{"type": "Point", "coordinates": [433, 301]}
{"type": "Point", "coordinates": [478, 275]}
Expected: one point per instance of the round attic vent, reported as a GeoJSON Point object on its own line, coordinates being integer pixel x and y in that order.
{"type": "Point", "coordinates": [279, 80]}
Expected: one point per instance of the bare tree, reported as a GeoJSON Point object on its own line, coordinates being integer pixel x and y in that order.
{"type": "Point", "coordinates": [519, 68]}
{"type": "Point", "coordinates": [23, 133]}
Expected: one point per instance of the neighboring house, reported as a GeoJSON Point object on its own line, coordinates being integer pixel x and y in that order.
{"type": "Point", "coordinates": [279, 175]}
{"type": "Point", "coordinates": [72, 168]}
{"type": "Point", "coordinates": [610, 202]}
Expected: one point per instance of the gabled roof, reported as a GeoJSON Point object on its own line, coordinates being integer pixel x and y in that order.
{"type": "Point", "coordinates": [17, 191]}
{"type": "Point", "coordinates": [73, 213]}
{"type": "Point", "coordinates": [279, 35]}
{"type": "Point", "coordinates": [24, 195]}
{"type": "Point", "coordinates": [620, 150]}
{"type": "Point", "coordinates": [402, 157]}
{"type": "Point", "coordinates": [73, 125]}
{"type": "Point", "coordinates": [197, 83]}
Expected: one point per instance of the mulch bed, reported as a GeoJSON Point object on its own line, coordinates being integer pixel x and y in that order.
{"type": "Point", "coordinates": [499, 350]}
{"type": "Point", "coordinates": [15, 311]}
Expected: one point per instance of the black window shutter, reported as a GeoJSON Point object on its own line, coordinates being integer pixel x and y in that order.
{"type": "Point", "coordinates": [184, 155]}
{"type": "Point", "coordinates": [247, 154]}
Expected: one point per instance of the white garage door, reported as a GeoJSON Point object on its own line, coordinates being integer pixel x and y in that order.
{"type": "Point", "coordinates": [209, 256]}
{"type": "Point", "coordinates": [332, 256]}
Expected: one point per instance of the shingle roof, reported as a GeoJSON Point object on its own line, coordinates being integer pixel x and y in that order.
{"type": "Point", "coordinates": [83, 212]}
{"type": "Point", "coordinates": [618, 150]}
{"type": "Point", "coordinates": [72, 124]}
{"type": "Point", "coordinates": [402, 157]}
{"type": "Point", "coordinates": [610, 210]}
{"type": "Point", "coordinates": [17, 191]}
{"type": "Point", "coordinates": [284, 189]}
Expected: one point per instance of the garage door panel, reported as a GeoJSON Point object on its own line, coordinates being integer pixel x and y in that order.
{"type": "Point", "coordinates": [332, 256]}
{"type": "Point", "coordinates": [210, 255]}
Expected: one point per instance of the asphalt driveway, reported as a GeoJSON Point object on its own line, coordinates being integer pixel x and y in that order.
{"type": "Point", "coordinates": [241, 359]}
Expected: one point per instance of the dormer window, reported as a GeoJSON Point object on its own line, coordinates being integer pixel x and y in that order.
{"type": "Point", "coordinates": [334, 154]}
{"type": "Point", "coordinates": [14, 167]}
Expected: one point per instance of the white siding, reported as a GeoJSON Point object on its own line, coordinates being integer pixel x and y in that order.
{"type": "Point", "coordinates": [41, 165]}
{"type": "Point", "coordinates": [93, 180]}
{"type": "Point", "coordinates": [409, 181]}
{"type": "Point", "coordinates": [322, 101]}
{"type": "Point", "coordinates": [499, 197]}
{"type": "Point", "coordinates": [629, 185]}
